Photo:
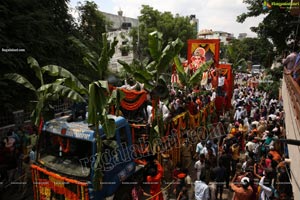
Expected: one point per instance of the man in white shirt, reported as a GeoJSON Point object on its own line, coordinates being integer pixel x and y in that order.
{"type": "Point", "coordinates": [234, 103]}
{"type": "Point", "coordinates": [208, 146]}
{"type": "Point", "coordinates": [163, 109]}
{"type": "Point", "coordinates": [200, 166]}
{"type": "Point", "coordinates": [221, 82]}
{"type": "Point", "coordinates": [213, 95]}
{"type": "Point", "coordinates": [201, 190]}
{"type": "Point", "coordinates": [266, 190]}
{"type": "Point", "coordinates": [238, 114]}
{"type": "Point", "coordinates": [272, 117]}
{"type": "Point", "coordinates": [199, 148]}
{"type": "Point", "coordinates": [252, 146]}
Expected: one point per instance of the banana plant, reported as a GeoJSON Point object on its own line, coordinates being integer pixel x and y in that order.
{"type": "Point", "coordinates": [95, 63]}
{"type": "Point", "coordinates": [67, 86]}
{"type": "Point", "coordinates": [151, 75]}
{"type": "Point", "coordinates": [100, 98]}
{"type": "Point", "coordinates": [189, 81]}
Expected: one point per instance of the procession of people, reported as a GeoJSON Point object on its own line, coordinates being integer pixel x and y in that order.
{"type": "Point", "coordinates": [249, 162]}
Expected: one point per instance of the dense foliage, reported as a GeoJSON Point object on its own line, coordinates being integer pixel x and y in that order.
{"type": "Point", "coordinates": [170, 26]}
{"type": "Point", "coordinates": [249, 50]}
{"type": "Point", "coordinates": [41, 29]}
{"type": "Point", "coordinates": [279, 24]}
{"type": "Point", "coordinates": [33, 28]}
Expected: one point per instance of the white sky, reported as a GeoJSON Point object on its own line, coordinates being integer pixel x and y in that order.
{"type": "Point", "coordinates": [218, 15]}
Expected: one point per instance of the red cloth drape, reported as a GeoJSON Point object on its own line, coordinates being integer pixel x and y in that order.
{"type": "Point", "coordinates": [133, 99]}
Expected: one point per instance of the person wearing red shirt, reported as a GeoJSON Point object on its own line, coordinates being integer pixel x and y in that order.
{"type": "Point", "coordinates": [154, 180]}
{"type": "Point", "coordinates": [192, 106]}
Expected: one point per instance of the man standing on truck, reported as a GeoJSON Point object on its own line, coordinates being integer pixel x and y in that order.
{"type": "Point", "coordinates": [154, 180]}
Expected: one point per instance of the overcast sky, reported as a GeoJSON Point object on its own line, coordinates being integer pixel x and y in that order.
{"type": "Point", "coordinates": [218, 15]}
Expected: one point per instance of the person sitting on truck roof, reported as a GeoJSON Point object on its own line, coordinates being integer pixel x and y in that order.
{"type": "Point", "coordinates": [131, 84]}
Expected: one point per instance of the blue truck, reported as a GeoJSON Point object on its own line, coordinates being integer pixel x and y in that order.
{"type": "Point", "coordinates": [66, 161]}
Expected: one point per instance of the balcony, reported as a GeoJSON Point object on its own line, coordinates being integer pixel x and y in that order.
{"type": "Point", "coordinates": [291, 105]}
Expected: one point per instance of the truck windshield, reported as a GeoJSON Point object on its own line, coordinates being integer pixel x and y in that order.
{"type": "Point", "coordinates": [65, 154]}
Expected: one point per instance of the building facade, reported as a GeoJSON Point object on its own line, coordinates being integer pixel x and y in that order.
{"type": "Point", "coordinates": [224, 37]}
{"type": "Point", "coordinates": [120, 29]}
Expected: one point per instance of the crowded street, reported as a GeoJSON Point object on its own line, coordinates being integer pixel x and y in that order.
{"type": "Point", "coordinates": [149, 100]}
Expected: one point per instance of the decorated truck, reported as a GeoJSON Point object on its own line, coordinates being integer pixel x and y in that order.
{"type": "Point", "coordinates": [67, 151]}
{"type": "Point", "coordinates": [66, 156]}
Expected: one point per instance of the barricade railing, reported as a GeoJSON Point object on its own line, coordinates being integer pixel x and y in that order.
{"type": "Point", "coordinates": [20, 117]}
{"type": "Point", "coordinates": [294, 95]}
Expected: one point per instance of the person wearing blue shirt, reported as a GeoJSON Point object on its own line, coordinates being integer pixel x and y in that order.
{"type": "Point", "coordinates": [32, 155]}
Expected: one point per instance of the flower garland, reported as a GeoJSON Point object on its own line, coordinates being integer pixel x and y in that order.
{"type": "Point", "coordinates": [65, 148]}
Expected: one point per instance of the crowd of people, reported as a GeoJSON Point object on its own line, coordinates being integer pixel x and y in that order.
{"type": "Point", "coordinates": [249, 161]}
{"type": "Point", "coordinates": [17, 152]}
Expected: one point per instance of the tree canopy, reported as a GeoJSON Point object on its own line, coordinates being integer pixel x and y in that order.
{"type": "Point", "coordinates": [92, 23]}
{"type": "Point", "coordinates": [33, 28]}
{"type": "Point", "coordinates": [255, 50]}
{"type": "Point", "coordinates": [170, 26]}
{"type": "Point", "coordinates": [41, 29]}
{"type": "Point", "coordinates": [279, 24]}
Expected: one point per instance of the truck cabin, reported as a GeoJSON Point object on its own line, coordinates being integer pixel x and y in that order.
{"type": "Point", "coordinates": [69, 149]}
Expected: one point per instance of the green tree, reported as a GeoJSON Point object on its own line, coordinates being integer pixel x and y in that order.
{"type": "Point", "coordinates": [279, 24]}
{"type": "Point", "coordinates": [170, 26]}
{"type": "Point", "coordinates": [236, 53]}
{"type": "Point", "coordinates": [34, 28]}
{"type": "Point", "coordinates": [253, 50]}
{"type": "Point", "coordinates": [272, 83]}
{"type": "Point", "coordinates": [92, 24]}
{"type": "Point", "coordinates": [258, 51]}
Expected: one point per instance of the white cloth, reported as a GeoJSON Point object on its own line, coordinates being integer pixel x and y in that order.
{"type": "Point", "coordinates": [251, 146]}
{"type": "Point", "coordinates": [272, 116]}
{"type": "Point", "coordinates": [238, 114]}
{"type": "Point", "coordinates": [213, 96]}
{"type": "Point", "coordinates": [266, 192]}
{"type": "Point", "coordinates": [201, 190]}
{"type": "Point", "coordinates": [252, 112]}
{"type": "Point", "coordinates": [163, 109]}
{"type": "Point", "coordinates": [199, 167]}
{"type": "Point", "coordinates": [221, 81]}
{"type": "Point", "coordinates": [199, 147]}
